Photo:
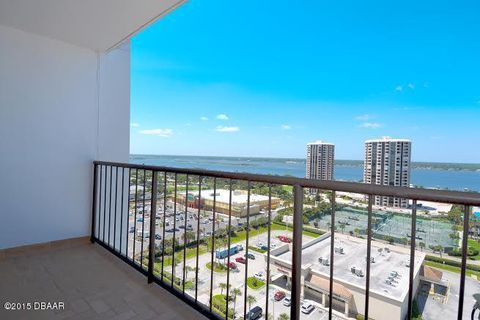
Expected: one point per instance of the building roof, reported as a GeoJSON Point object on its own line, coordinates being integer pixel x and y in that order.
{"type": "Point", "coordinates": [324, 285]}
{"type": "Point", "coordinates": [320, 142]}
{"type": "Point", "coordinates": [239, 197]}
{"type": "Point", "coordinates": [354, 255]}
{"type": "Point", "coordinates": [431, 274]}
{"type": "Point", "coordinates": [387, 139]}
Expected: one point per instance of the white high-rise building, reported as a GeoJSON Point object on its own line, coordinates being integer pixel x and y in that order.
{"type": "Point", "coordinates": [320, 157]}
{"type": "Point", "coordinates": [387, 162]}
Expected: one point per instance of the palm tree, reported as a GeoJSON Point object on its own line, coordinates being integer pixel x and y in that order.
{"type": "Point", "coordinates": [422, 245]}
{"type": "Point", "coordinates": [222, 286]}
{"type": "Point", "coordinates": [187, 269]}
{"type": "Point", "coordinates": [235, 293]}
{"type": "Point", "coordinates": [342, 226]}
{"type": "Point", "coordinates": [283, 316]}
{"type": "Point", "coordinates": [250, 300]}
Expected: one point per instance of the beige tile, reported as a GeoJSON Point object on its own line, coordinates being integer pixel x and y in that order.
{"type": "Point", "coordinates": [91, 282]}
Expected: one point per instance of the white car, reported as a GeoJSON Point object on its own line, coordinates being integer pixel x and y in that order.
{"type": "Point", "coordinates": [259, 276]}
{"type": "Point", "coordinates": [287, 301]}
{"type": "Point", "coordinates": [307, 307]}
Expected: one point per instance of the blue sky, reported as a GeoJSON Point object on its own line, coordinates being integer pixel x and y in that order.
{"type": "Point", "coordinates": [263, 78]}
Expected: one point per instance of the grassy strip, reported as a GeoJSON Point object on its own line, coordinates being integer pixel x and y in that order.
{"type": "Point", "coordinates": [311, 232]}
{"type": "Point", "coordinates": [256, 249]}
{"type": "Point", "coordinates": [450, 268]}
{"type": "Point", "coordinates": [217, 267]}
{"type": "Point", "coordinates": [254, 283]}
{"type": "Point", "coordinates": [452, 263]}
{"type": "Point", "coordinates": [219, 305]}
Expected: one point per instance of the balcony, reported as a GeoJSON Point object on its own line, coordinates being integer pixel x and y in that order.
{"type": "Point", "coordinates": [196, 221]}
{"type": "Point", "coordinates": [87, 238]}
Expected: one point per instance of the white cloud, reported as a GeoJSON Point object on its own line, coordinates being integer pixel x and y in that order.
{"type": "Point", "coordinates": [398, 88]}
{"type": "Point", "coordinates": [134, 125]}
{"type": "Point", "coordinates": [222, 116]}
{"type": "Point", "coordinates": [364, 117]}
{"type": "Point", "coordinates": [204, 118]}
{"type": "Point", "coordinates": [286, 127]}
{"type": "Point", "coordinates": [227, 129]}
{"type": "Point", "coordinates": [370, 125]}
{"type": "Point", "coordinates": [411, 86]}
{"type": "Point", "coordinates": [166, 133]}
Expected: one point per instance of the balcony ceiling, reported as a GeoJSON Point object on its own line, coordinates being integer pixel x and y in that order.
{"type": "Point", "coordinates": [94, 24]}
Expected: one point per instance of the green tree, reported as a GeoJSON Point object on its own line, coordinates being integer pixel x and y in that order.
{"type": "Point", "coordinates": [422, 245]}
{"type": "Point", "coordinates": [222, 286]}
{"type": "Point", "coordinates": [283, 316]}
{"type": "Point", "coordinates": [251, 300]}
{"type": "Point", "coordinates": [235, 292]}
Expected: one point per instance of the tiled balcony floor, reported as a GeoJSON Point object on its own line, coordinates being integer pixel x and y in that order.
{"type": "Point", "coordinates": [92, 283]}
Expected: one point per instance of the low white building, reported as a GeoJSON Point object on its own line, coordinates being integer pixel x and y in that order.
{"type": "Point", "coordinates": [389, 272]}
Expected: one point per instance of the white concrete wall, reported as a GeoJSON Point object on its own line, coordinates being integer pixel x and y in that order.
{"type": "Point", "coordinates": [61, 107]}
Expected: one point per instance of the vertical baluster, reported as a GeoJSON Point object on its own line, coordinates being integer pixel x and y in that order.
{"type": "Point", "coordinates": [369, 249]}
{"type": "Point", "coordinates": [115, 210]}
{"type": "Point", "coordinates": [104, 204]}
{"type": "Point", "coordinates": [213, 241]}
{"type": "Point", "coordinates": [198, 236]}
{"type": "Point", "coordinates": [332, 254]}
{"type": "Point", "coordinates": [174, 228]}
{"type": "Point", "coordinates": [153, 218]}
{"type": "Point", "coordinates": [128, 210]}
{"type": "Point", "coordinates": [99, 201]}
{"type": "Point", "coordinates": [466, 217]}
{"type": "Point", "coordinates": [135, 216]}
{"type": "Point", "coordinates": [268, 244]}
{"type": "Point", "coordinates": [229, 230]}
{"type": "Point", "coordinates": [121, 209]}
{"type": "Point", "coordinates": [247, 234]}
{"type": "Point", "coordinates": [412, 258]}
{"type": "Point", "coordinates": [110, 207]}
{"type": "Point", "coordinates": [163, 223]}
{"type": "Point", "coordinates": [297, 251]}
{"type": "Point", "coordinates": [143, 216]}
{"type": "Point", "coordinates": [94, 204]}
{"type": "Point", "coordinates": [185, 236]}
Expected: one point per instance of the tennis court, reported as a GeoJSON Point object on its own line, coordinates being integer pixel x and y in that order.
{"type": "Point", "coordinates": [431, 232]}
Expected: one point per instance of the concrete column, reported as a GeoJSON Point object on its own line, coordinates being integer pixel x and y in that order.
{"type": "Point", "coordinates": [346, 308]}
{"type": "Point", "coordinates": [324, 300]}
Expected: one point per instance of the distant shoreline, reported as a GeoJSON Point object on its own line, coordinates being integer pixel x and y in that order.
{"type": "Point", "coordinates": [347, 163]}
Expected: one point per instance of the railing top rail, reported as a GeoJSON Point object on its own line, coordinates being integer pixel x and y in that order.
{"type": "Point", "coordinates": [453, 197]}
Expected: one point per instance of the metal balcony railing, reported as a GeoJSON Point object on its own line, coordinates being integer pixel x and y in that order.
{"type": "Point", "coordinates": [135, 216]}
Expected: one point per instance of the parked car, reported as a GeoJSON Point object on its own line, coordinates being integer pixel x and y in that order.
{"type": "Point", "coordinates": [158, 237]}
{"type": "Point", "coordinates": [249, 256]}
{"type": "Point", "coordinates": [307, 307]}
{"type": "Point", "coordinates": [132, 230]}
{"type": "Point", "coordinates": [287, 301]}
{"type": "Point", "coordinates": [284, 239]}
{"type": "Point", "coordinates": [260, 276]}
{"type": "Point", "coordinates": [254, 313]}
{"type": "Point", "coordinates": [140, 219]}
{"type": "Point", "coordinates": [279, 295]}
{"type": "Point", "coordinates": [232, 265]}
{"type": "Point", "coordinates": [241, 260]}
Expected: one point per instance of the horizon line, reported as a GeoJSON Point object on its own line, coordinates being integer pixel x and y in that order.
{"type": "Point", "coordinates": [287, 158]}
